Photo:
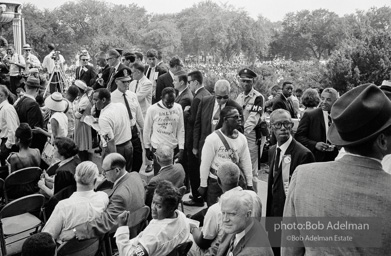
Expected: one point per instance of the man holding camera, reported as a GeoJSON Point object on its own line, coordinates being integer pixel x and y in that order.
{"type": "Point", "coordinates": [16, 66]}
{"type": "Point", "coordinates": [50, 62]}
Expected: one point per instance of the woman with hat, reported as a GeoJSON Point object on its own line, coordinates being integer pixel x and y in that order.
{"type": "Point", "coordinates": [58, 121]}
{"type": "Point", "coordinates": [82, 108]}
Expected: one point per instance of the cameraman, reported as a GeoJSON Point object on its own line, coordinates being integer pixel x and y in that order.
{"type": "Point", "coordinates": [16, 65]}
{"type": "Point", "coordinates": [48, 65]}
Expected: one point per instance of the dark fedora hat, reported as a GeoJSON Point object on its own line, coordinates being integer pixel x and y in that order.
{"type": "Point", "coordinates": [359, 115]}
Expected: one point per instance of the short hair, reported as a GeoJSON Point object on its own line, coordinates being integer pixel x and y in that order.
{"type": "Point", "coordinates": [24, 134]}
{"type": "Point", "coordinates": [222, 83]}
{"type": "Point", "coordinates": [103, 93]}
{"type": "Point", "coordinates": [139, 55]}
{"type": "Point", "coordinates": [228, 173]}
{"type": "Point", "coordinates": [41, 244]}
{"type": "Point", "coordinates": [196, 75]}
{"type": "Point", "coordinates": [83, 54]}
{"type": "Point", "coordinates": [152, 53]}
{"type": "Point", "coordinates": [5, 90]}
{"type": "Point", "coordinates": [279, 111]}
{"type": "Point", "coordinates": [165, 153]}
{"type": "Point", "coordinates": [168, 90]}
{"type": "Point", "coordinates": [129, 56]}
{"type": "Point", "coordinates": [331, 91]}
{"type": "Point", "coordinates": [298, 90]}
{"type": "Point", "coordinates": [86, 173]}
{"type": "Point", "coordinates": [169, 193]}
{"type": "Point", "coordinates": [113, 52]}
{"type": "Point", "coordinates": [66, 147]}
{"type": "Point", "coordinates": [100, 55]}
{"type": "Point", "coordinates": [286, 83]}
{"type": "Point", "coordinates": [117, 160]}
{"type": "Point", "coordinates": [183, 78]}
{"type": "Point", "coordinates": [73, 90]}
{"type": "Point", "coordinates": [310, 98]}
{"type": "Point", "coordinates": [242, 200]}
{"type": "Point", "coordinates": [276, 88]}
{"type": "Point", "coordinates": [224, 112]}
{"type": "Point", "coordinates": [139, 66]}
{"type": "Point", "coordinates": [51, 46]}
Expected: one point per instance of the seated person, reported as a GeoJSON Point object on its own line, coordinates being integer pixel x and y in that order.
{"type": "Point", "coordinates": [168, 171]}
{"type": "Point", "coordinates": [41, 244]}
{"type": "Point", "coordinates": [168, 228]}
{"type": "Point", "coordinates": [26, 157]}
{"type": "Point", "coordinates": [84, 205]}
{"type": "Point", "coordinates": [65, 150]}
{"type": "Point", "coordinates": [248, 234]}
{"type": "Point", "coordinates": [206, 240]}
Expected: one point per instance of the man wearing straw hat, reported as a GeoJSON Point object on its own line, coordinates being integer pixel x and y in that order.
{"type": "Point", "coordinates": [353, 186]}
{"type": "Point", "coordinates": [31, 60]}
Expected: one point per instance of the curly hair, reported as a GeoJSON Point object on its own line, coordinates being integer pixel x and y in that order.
{"type": "Point", "coordinates": [66, 147]}
{"type": "Point", "coordinates": [310, 98]}
{"type": "Point", "coordinates": [169, 193]}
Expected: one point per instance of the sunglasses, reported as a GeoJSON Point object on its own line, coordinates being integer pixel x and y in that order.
{"type": "Point", "coordinates": [225, 97]}
{"type": "Point", "coordinates": [286, 124]}
{"type": "Point", "coordinates": [28, 50]}
{"type": "Point", "coordinates": [84, 59]}
{"type": "Point", "coordinates": [237, 117]}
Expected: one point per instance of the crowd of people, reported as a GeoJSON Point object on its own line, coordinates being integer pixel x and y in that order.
{"type": "Point", "coordinates": [136, 112]}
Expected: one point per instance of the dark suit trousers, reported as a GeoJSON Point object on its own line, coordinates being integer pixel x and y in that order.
{"type": "Point", "coordinates": [193, 168]}
{"type": "Point", "coordinates": [126, 150]}
{"type": "Point", "coordinates": [137, 154]}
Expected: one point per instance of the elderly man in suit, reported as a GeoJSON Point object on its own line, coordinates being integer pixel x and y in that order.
{"type": "Point", "coordinates": [85, 72]}
{"type": "Point", "coordinates": [128, 194]}
{"type": "Point", "coordinates": [283, 100]}
{"type": "Point", "coordinates": [353, 186]}
{"type": "Point", "coordinates": [284, 157]}
{"type": "Point", "coordinates": [314, 126]}
{"type": "Point", "coordinates": [167, 79]}
{"type": "Point", "coordinates": [208, 114]}
{"type": "Point", "coordinates": [168, 171]}
{"type": "Point", "coordinates": [153, 70]}
{"type": "Point", "coordinates": [244, 234]}
{"type": "Point", "coordinates": [118, 69]}
{"type": "Point", "coordinates": [195, 80]}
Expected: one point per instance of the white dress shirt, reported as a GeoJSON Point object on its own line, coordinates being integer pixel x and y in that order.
{"type": "Point", "coordinates": [134, 105]}
{"type": "Point", "coordinates": [9, 122]}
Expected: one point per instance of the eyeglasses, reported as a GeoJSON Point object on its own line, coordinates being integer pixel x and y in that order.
{"type": "Point", "coordinates": [286, 124]}
{"type": "Point", "coordinates": [105, 171]}
{"type": "Point", "coordinates": [84, 59]}
{"type": "Point", "coordinates": [237, 117]}
{"type": "Point", "coordinates": [225, 97]}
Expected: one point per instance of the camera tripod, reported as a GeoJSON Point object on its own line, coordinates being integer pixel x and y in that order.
{"type": "Point", "coordinates": [59, 76]}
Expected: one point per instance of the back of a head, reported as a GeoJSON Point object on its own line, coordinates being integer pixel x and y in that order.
{"type": "Point", "coordinates": [24, 134]}
{"type": "Point", "coordinates": [40, 244]}
{"type": "Point", "coordinates": [66, 147]}
{"type": "Point", "coordinates": [164, 153]}
{"type": "Point", "coordinates": [116, 160]}
{"type": "Point", "coordinates": [113, 53]}
{"type": "Point", "coordinates": [139, 66]}
{"type": "Point", "coordinates": [196, 75]}
{"type": "Point", "coordinates": [310, 98]}
{"type": "Point", "coordinates": [228, 173]}
{"type": "Point", "coordinates": [169, 193]}
{"type": "Point", "coordinates": [86, 173]}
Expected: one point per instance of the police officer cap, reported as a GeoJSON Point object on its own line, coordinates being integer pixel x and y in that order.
{"type": "Point", "coordinates": [123, 78]}
{"type": "Point", "coordinates": [247, 73]}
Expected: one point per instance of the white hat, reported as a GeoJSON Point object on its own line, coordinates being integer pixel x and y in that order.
{"type": "Point", "coordinates": [56, 102]}
{"type": "Point", "coordinates": [81, 84]}
{"type": "Point", "coordinates": [386, 82]}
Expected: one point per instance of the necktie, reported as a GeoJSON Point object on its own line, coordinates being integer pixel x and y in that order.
{"type": "Point", "coordinates": [135, 90]}
{"type": "Point", "coordinates": [216, 118]}
{"type": "Point", "coordinates": [149, 73]}
{"type": "Point", "coordinates": [276, 162]}
{"type": "Point", "coordinates": [128, 107]}
{"type": "Point", "coordinates": [330, 121]}
{"type": "Point", "coordinates": [231, 246]}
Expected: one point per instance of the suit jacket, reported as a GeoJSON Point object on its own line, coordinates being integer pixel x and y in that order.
{"type": "Point", "coordinates": [281, 102]}
{"type": "Point", "coordinates": [311, 130]}
{"type": "Point", "coordinates": [275, 187]}
{"type": "Point", "coordinates": [106, 72]}
{"type": "Point", "coordinates": [203, 122]}
{"type": "Point", "coordinates": [29, 112]}
{"type": "Point", "coordinates": [88, 76]}
{"type": "Point", "coordinates": [128, 194]}
{"type": "Point", "coordinates": [174, 173]}
{"type": "Point", "coordinates": [193, 111]}
{"type": "Point", "coordinates": [254, 243]}
{"type": "Point", "coordinates": [162, 82]}
{"type": "Point", "coordinates": [186, 99]}
{"type": "Point", "coordinates": [121, 71]}
{"type": "Point", "coordinates": [143, 92]}
{"type": "Point", "coordinates": [352, 186]}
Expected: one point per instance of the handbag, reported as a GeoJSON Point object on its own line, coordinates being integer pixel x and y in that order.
{"type": "Point", "coordinates": [242, 177]}
{"type": "Point", "coordinates": [48, 153]}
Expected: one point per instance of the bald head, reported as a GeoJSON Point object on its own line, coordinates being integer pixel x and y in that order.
{"type": "Point", "coordinates": [164, 154]}
{"type": "Point", "coordinates": [114, 161]}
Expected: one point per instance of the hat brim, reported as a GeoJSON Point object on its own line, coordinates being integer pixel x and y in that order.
{"type": "Point", "coordinates": [334, 137]}
{"type": "Point", "coordinates": [27, 48]}
{"type": "Point", "coordinates": [56, 106]}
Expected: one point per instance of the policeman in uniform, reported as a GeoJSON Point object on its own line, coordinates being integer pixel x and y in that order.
{"type": "Point", "coordinates": [253, 104]}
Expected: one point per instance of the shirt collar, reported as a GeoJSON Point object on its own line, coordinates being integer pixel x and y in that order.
{"type": "Point", "coordinates": [199, 89]}
{"type": "Point", "coordinates": [179, 93]}
{"type": "Point", "coordinates": [240, 235]}
{"type": "Point", "coordinates": [30, 96]}
{"type": "Point", "coordinates": [285, 146]}
{"type": "Point", "coordinates": [120, 178]}
{"type": "Point", "coordinates": [250, 94]}
{"type": "Point", "coordinates": [375, 159]}
{"type": "Point", "coordinates": [106, 106]}
{"type": "Point", "coordinates": [4, 103]}
{"type": "Point", "coordinates": [171, 74]}
{"type": "Point", "coordinates": [65, 161]}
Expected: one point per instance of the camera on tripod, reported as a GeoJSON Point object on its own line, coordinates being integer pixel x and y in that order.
{"type": "Point", "coordinates": [56, 56]}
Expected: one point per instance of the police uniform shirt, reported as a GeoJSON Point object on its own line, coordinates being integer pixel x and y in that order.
{"type": "Point", "coordinates": [247, 103]}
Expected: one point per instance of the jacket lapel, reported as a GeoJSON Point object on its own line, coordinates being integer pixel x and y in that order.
{"type": "Point", "coordinates": [118, 184]}
{"type": "Point", "coordinates": [288, 151]}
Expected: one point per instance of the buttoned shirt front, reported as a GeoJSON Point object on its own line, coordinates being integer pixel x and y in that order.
{"type": "Point", "coordinates": [251, 118]}
{"type": "Point", "coordinates": [9, 122]}
{"type": "Point", "coordinates": [14, 69]}
{"type": "Point", "coordinates": [114, 124]}
{"type": "Point", "coordinates": [283, 148]}
{"type": "Point", "coordinates": [118, 97]}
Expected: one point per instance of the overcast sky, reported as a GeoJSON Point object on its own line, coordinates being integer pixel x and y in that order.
{"type": "Point", "coordinates": [274, 10]}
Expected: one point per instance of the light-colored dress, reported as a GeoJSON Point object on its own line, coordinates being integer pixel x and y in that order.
{"type": "Point", "coordinates": [82, 136]}
{"type": "Point", "coordinates": [62, 120]}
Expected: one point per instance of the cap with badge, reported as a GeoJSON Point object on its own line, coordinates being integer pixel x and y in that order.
{"type": "Point", "coordinates": [123, 78]}
{"type": "Point", "coordinates": [247, 73]}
